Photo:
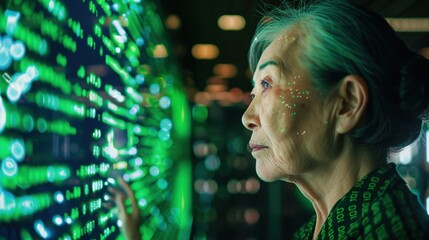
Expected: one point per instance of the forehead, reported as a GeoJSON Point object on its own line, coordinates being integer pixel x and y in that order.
{"type": "Point", "coordinates": [280, 50]}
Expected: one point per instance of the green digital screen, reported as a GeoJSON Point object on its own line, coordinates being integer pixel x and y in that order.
{"type": "Point", "coordinates": [90, 90]}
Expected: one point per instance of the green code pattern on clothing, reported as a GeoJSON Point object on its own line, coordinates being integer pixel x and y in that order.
{"type": "Point", "coordinates": [379, 206]}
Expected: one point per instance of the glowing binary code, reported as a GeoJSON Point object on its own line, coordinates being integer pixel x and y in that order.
{"type": "Point", "coordinates": [89, 89]}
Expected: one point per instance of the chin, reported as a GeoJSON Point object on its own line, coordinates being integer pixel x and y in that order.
{"type": "Point", "coordinates": [271, 173]}
{"type": "Point", "coordinates": [266, 175]}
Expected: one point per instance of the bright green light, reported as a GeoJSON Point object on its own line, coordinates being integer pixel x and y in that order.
{"type": "Point", "coordinates": [17, 149]}
{"type": "Point", "coordinates": [113, 121]}
{"type": "Point", "coordinates": [28, 122]}
{"type": "Point", "coordinates": [183, 194]}
{"type": "Point", "coordinates": [79, 98]}
{"type": "Point", "coordinates": [2, 115]}
{"type": "Point", "coordinates": [181, 115]}
{"type": "Point", "coordinates": [56, 8]}
{"type": "Point", "coordinates": [42, 126]}
{"type": "Point", "coordinates": [9, 167]}
{"type": "Point", "coordinates": [47, 74]}
{"type": "Point", "coordinates": [12, 21]}
{"type": "Point", "coordinates": [199, 113]}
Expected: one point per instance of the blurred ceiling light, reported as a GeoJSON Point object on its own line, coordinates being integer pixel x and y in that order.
{"type": "Point", "coordinates": [231, 22]}
{"type": "Point", "coordinates": [235, 95]}
{"type": "Point", "coordinates": [222, 98]}
{"type": "Point", "coordinates": [409, 24]}
{"type": "Point", "coordinates": [160, 51]}
{"type": "Point", "coordinates": [173, 22]}
{"type": "Point", "coordinates": [216, 84]}
{"type": "Point", "coordinates": [205, 51]}
{"type": "Point", "coordinates": [215, 88]}
{"type": "Point", "coordinates": [225, 70]}
{"type": "Point", "coordinates": [202, 98]}
{"type": "Point", "coordinates": [217, 80]}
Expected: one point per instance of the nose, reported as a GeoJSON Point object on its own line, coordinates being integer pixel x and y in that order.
{"type": "Point", "coordinates": [250, 118]}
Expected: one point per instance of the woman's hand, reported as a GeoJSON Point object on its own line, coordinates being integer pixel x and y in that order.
{"type": "Point", "coordinates": [130, 221]}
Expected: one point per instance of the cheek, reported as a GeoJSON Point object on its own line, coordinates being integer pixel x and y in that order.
{"type": "Point", "coordinates": [295, 100]}
{"type": "Point", "coordinates": [277, 113]}
{"type": "Point", "coordinates": [285, 107]}
{"type": "Point", "coordinates": [290, 107]}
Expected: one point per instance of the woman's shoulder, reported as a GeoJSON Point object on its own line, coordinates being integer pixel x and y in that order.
{"type": "Point", "coordinates": [380, 206]}
{"type": "Point", "coordinates": [396, 212]}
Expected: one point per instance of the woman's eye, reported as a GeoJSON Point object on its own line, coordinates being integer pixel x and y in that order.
{"type": "Point", "coordinates": [265, 84]}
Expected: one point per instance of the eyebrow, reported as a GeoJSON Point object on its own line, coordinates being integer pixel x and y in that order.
{"type": "Point", "coordinates": [267, 63]}
{"type": "Point", "coordinates": [264, 65]}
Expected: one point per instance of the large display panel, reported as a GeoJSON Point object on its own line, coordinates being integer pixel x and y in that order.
{"type": "Point", "coordinates": [89, 91]}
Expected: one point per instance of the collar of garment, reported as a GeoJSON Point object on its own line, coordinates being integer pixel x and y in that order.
{"type": "Point", "coordinates": [355, 204]}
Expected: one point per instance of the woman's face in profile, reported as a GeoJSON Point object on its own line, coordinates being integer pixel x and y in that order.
{"type": "Point", "coordinates": [286, 114]}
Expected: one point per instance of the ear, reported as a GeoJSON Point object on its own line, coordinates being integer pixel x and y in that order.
{"type": "Point", "coordinates": [352, 101]}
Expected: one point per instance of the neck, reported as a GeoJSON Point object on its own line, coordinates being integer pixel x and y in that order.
{"type": "Point", "coordinates": [328, 181]}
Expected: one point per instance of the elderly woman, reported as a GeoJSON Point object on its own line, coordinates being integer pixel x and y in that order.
{"type": "Point", "coordinates": [335, 90]}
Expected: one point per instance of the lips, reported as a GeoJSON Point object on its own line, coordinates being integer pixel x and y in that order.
{"type": "Point", "coordinates": [256, 147]}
